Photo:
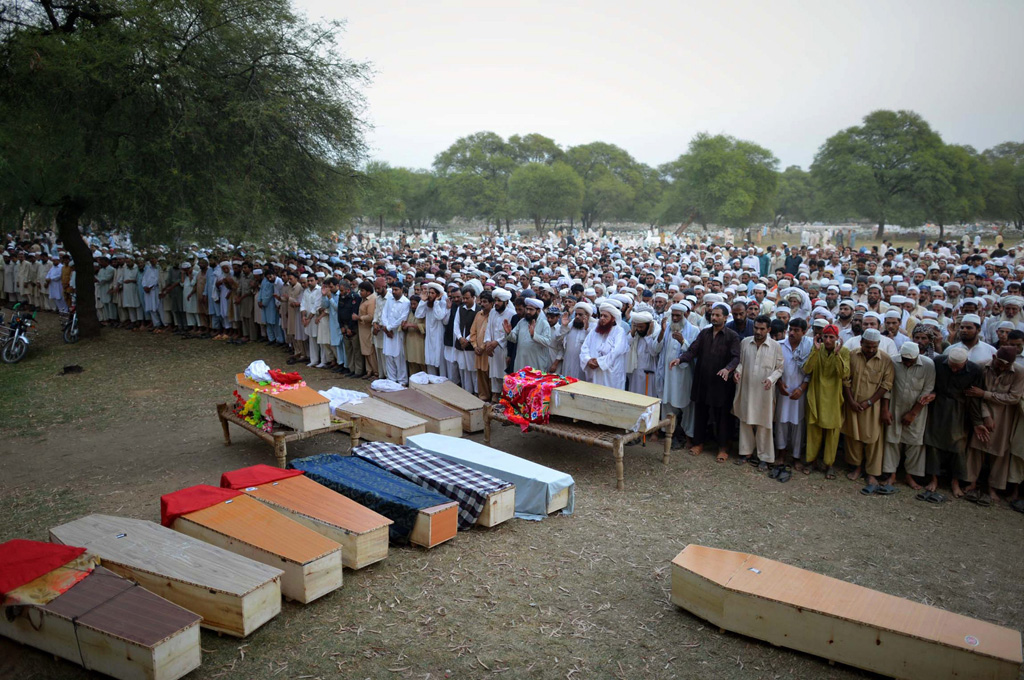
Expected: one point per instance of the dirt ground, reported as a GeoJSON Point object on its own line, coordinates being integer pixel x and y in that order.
{"type": "Point", "coordinates": [581, 596]}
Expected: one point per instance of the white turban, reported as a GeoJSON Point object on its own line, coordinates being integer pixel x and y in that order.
{"type": "Point", "coordinates": [679, 307]}
{"type": "Point", "coordinates": [586, 306]}
{"type": "Point", "coordinates": [257, 272]}
{"type": "Point", "coordinates": [534, 302]}
{"type": "Point", "coordinates": [971, 318]}
{"type": "Point", "coordinates": [611, 309]}
{"type": "Point", "coordinates": [435, 286]}
{"type": "Point", "coordinates": [500, 294]}
{"type": "Point", "coordinates": [642, 317]}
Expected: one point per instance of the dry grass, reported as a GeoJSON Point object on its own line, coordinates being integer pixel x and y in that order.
{"type": "Point", "coordinates": [584, 596]}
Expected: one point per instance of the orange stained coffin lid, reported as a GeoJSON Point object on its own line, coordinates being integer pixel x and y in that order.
{"type": "Point", "coordinates": [249, 521]}
{"type": "Point", "coordinates": [771, 580]}
{"type": "Point", "coordinates": [300, 396]}
{"type": "Point", "coordinates": [302, 495]}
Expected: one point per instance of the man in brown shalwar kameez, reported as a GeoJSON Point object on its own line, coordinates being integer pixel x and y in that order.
{"type": "Point", "coordinates": [1000, 395]}
{"type": "Point", "coordinates": [871, 377]}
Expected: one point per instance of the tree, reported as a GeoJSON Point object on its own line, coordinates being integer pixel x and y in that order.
{"type": "Point", "coordinates": [218, 116]}
{"type": "Point", "coordinates": [872, 167]}
{"type": "Point", "coordinates": [950, 185]}
{"type": "Point", "coordinates": [478, 168]}
{"type": "Point", "coordinates": [545, 192]}
{"type": "Point", "coordinates": [610, 180]}
{"type": "Point", "coordinates": [795, 200]}
{"type": "Point", "coordinates": [423, 197]}
{"type": "Point", "coordinates": [381, 199]}
{"type": "Point", "coordinates": [1004, 192]}
{"type": "Point", "coordinates": [534, 148]}
{"type": "Point", "coordinates": [723, 180]}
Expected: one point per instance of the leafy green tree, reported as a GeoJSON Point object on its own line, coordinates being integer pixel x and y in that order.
{"type": "Point", "coordinates": [795, 199]}
{"type": "Point", "coordinates": [423, 197]}
{"type": "Point", "coordinates": [950, 185]}
{"type": "Point", "coordinates": [203, 117]}
{"type": "Point", "coordinates": [1004, 190]}
{"type": "Point", "coordinates": [545, 192]}
{"type": "Point", "coordinates": [477, 169]}
{"type": "Point", "coordinates": [648, 194]}
{"type": "Point", "coordinates": [611, 178]}
{"type": "Point", "coordinates": [871, 168]}
{"type": "Point", "coordinates": [381, 198]}
{"type": "Point", "coordinates": [722, 180]}
{"type": "Point", "coordinates": [534, 148]}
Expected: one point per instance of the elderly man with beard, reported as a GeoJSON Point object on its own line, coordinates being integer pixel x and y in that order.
{"type": "Point", "coordinates": [760, 367]}
{"type": "Point", "coordinates": [573, 337]}
{"type": "Point", "coordinates": [978, 352]}
{"type": "Point", "coordinates": [603, 354]}
{"type": "Point", "coordinates": [913, 388]}
{"type": "Point", "coordinates": [495, 339]}
{"type": "Point", "coordinates": [646, 342]}
{"type": "Point", "coordinates": [533, 337]}
{"type": "Point", "coordinates": [867, 404]}
{"type": "Point", "coordinates": [1000, 394]}
{"type": "Point", "coordinates": [477, 335]}
{"type": "Point", "coordinates": [434, 310]}
{"type": "Point", "coordinates": [393, 317]}
{"type": "Point", "coordinates": [676, 383]}
{"type": "Point", "coordinates": [717, 353]}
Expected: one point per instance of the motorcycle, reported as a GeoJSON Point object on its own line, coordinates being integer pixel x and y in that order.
{"type": "Point", "coordinates": [69, 323]}
{"type": "Point", "coordinates": [15, 339]}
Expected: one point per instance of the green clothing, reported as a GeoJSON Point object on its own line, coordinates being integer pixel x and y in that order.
{"type": "Point", "coordinates": [825, 391]}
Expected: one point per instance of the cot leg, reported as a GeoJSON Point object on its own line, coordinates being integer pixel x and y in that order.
{"type": "Point", "coordinates": [281, 451]}
{"type": "Point", "coordinates": [353, 432]}
{"type": "Point", "coordinates": [617, 451]}
{"type": "Point", "coordinates": [224, 425]}
{"type": "Point", "coordinates": [668, 438]}
{"type": "Point", "coordinates": [487, 424]}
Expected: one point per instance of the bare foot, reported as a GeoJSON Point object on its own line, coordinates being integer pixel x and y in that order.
{"type": "Point", "coordinates": [872, 480]}
{"type": "Point", "coordinates": [912, 483]}
{"type": "Point", "coordinates": [957, 491]}
{"type": "Point", "coordinates": [697, 450]}
{"type": "Point", "coordinates": [722, 456]}
{"type": "Point", "coordinates": [891, 479]}
{"type": "Point", "coordinates": [854, 474]}
{"type": "Point", "coordinates": [933, 485]}
{"type": "Point", "coordinates": [798, 466]}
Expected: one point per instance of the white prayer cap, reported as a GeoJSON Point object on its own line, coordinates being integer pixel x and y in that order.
{"type": "Point", "coordinates": [186, 265]}
{"type": "Point", "coordinates": [971, 318]}
{"type": "Point", "coordinates": [438, 287]}
{"type": "Point", "coordinates": [928, 322]}
{"type": "Point", "coordinates": [585, 306]}
{"type": "Point", "coordinates": [611, 309]}
{"type": "Point", "coordinates": [929, 314]}
{"type": "Point", "coordinates": [1007, 325]}
{"type": "Point", "coordinates": [303, 277]}
{"type": "Point", "coordinates": [589, 292]}
{"type": "Point", "coordinates": [321, 275]}
{"type": "Point", "coordinates": [760, 286]}
{"type": "Point", "coordinates": [871, 335]}
{"type": "Point", "coordinates": [613, 302]}
{"type": "Point", "coordinates": [642, 317]}
{"type": "Point", "coordinates": [957, 355]}
{"type": "Point", "coordinates": [225, 263]}
{"type": "Point", "coordinates": [534, 302]}
{"type": "Point", "coordinates": [898, 300]}
{"type": "Point", "coordinates": [721, 305]}
{"type": "Point", "coordinates": [623, 299]}
{"type": "Point", "coordinates": [680, 307]}
{"type": "Point", "coordinates": [500, 294]}
{"type": "Point", "coordinates": [820, 323]}
{"type": "Point", "coordinates": [873, 315]}
{"type": "Point", "coordinates": [293, 267]}
{"type": "Point", "coordinates": [257, 272]}
{"type": "Point", "coordinates": [893, 314]}
{"type": "Point", "coordinates": [661, 296]}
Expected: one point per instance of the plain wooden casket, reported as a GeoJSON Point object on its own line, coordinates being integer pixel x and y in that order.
{"type": "Point", "coordinates": [469, 405]}
{"type": "Point", "coordinates": [303, 409]}
{"type": "Point", "coordinates": [602, 405]}
{"type": "Point", "coordinates": [840, 621]}
{"type": "Point", "coordinates": [234, 594]}
{"type": "Point", "coordinates": [382, 422]}
{"type": "Point", "coordinates": [441, 419]}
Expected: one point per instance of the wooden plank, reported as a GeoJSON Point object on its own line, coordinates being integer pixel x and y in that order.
{"type": "Point", "coordinates": [605, 406]}
{"type": "Point", "coordinates": [441, 419]}
{"type": "Point", "coordinates": [447, 392]}
{"type": "Point", "coordinates": [362, 533]}
{"type": "Point", "coordinates": [383, 422]}
{"type": "Point", "coordinates": [435, 525]}
{"type": "Point", "coordinates": [840, 621]}
{"type": "Point", "coordinates": [558, 501]}
{"type": "Point", "coordinates": [303, 409]}
{"type": "Point", "coordinates": [501, 507]}
{"type": "Point", "coordinates": [311, 563]}
{"type": "Point", "coordinates": [111, 627]}
{"type": "Point", "coordinates": [233, 594]}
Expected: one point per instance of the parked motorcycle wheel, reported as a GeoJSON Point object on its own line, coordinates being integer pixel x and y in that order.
{"type": "Point", "coordinates": [14, 351]}
{"type": "Point", "coordinates": [71, 333]}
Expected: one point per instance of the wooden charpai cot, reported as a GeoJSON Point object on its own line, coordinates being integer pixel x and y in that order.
{"type": "Point", "coordinates": [303, 409]}
{"type": "Point", "coordinates": [421, 517]}
{"type": "Point", "coordinates": [468, 405]}
{"type": "Point", "coordinates": [361, 532]}
{"type": "Point", "coordinates": [441, 418]}
{"type": "Point", "coordinates": [540, 490]}
{"type": "Point", "coordinates": [236, 522]}
{"type": "Point", "coordinates": [234, 595]}
{"type": "Point", "coordinates": [382, 422]}
{"type": "Point", "coordinates": [103, 622]}
{"type": "Point", "coordinates": [840, 621]}
{"type": "Point", "coordinates": [606, 406]}
{"type": "Point", "coordinates": [484, 501]}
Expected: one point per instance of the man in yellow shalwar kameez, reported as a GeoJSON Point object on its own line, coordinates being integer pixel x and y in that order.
{"type": "Point", "coordinates": [828, 365]}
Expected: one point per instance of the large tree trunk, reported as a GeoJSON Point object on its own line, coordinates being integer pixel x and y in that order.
{"type": "Point", "coordinates": [85, 270]}
{"type": "Point", "coordinates": [942, 231]}
{"type": "Point", "coordinates": [881, 230]}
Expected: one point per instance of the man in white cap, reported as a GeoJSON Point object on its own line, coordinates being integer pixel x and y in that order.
{"type": "Point", "coordinates": [646, 342]}
{"type": "Point", "coordinates": [677, 383]}
{"type": "Point", "coordinates": [496, 338]}
{"type": "Point", "coordinates": [952, 417]}
{"type": "Point", "coordinates": [603, 355]}
{"type": "Point", "coordinates": [533, 337]}
{"type": "Point", "coordinates": [867, 410]}
{"type": "Point", "coordinates": [913, 388]}
{"type": "Point", "coordinates": [434, 310]}
{"type": "Point", "coordinates": [396, 312]}
{"type": "Point", "coordinates": [760, 367]}
{"type": "Point", "coordinates": [791, 404]}
{"type": "Point", "coordinates": [978, 351]}
{"type": "Point", "coordinates": [574, 334]}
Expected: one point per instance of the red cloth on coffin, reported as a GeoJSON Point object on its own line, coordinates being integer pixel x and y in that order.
{"type": "Point", "coordinates": [23, 561]}
{"type": "Point", "coordinates": [255, 475]}
{"type": "Point", "coordinates": [526, 395]}
{"type": "Point", "coordinates": [198, 497]}
{"type": "Point", "coordinates": [284, 378]}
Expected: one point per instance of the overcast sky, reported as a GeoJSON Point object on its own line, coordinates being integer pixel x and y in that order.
{"type": "Point", "coordinates": [647, 76]}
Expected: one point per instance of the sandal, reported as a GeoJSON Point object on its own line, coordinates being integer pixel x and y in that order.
{"type": "Point", "coordinates": [762, 466]}
{"type": "Point", "coordinates": [886, 490]}
{"type": "Point", "coordinates": [830, 472]}
{"type": "Point", "coordinates": [984, 501]}
{"type": "Point", "coordinates": [786, 474]}
{"type": "Point", "coordinates": [774, 474]}
{"type": "Point", "coordinates": [972, 496]}
{"type": "Point", "coordinates": [869, 490]}
{"type": "Point", "coordinates": [1018, 505]}
{"type": "Point", "coordinates": [722, 457]}
{"type": "Point", "coordinates": [740, 461]}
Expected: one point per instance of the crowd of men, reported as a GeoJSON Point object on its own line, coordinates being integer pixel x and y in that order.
{"type": "Point", "coordinates": [905, 359]}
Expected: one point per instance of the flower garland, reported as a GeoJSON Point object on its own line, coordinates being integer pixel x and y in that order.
{"type": "Point", "coordinates": [249, 411]}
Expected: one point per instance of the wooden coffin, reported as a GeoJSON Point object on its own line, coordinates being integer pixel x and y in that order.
{"type": "Point", "coordinates": [447, 392]}
{"type": "Point", "coordinates": [382, 422]}
{"type": "Point", "coordinates": [361, 532]}
{"type": "Point", "coordinates": [606, 406]}
{"type": "Point", "coordinates": [839, 621]}
{"type": "Point", "coordinates": [540, 490]}
{"type": "Point", "coordinates": [303, 409]}
{"type": "Point", "coordinates": [441, 419]}
{"type": "Point", "coordinates": [311, 563]}
{"type": "Point", "coordinates": [434, 517]}
{"type": "Point", "coordinates": [233, 594]}
{"type": "Point", "coordinates": [111, 626]}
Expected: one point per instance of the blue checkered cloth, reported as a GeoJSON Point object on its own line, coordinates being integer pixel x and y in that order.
{"type": "Point", "coordinates": [469, 488]}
